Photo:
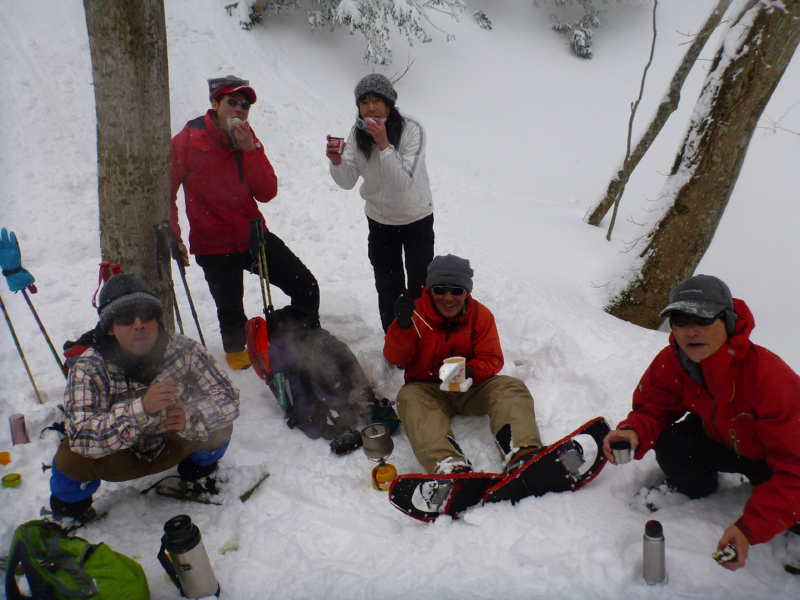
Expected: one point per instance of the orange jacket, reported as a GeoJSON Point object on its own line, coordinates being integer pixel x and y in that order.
{"type": "Point", "coordinates": [422, 350]}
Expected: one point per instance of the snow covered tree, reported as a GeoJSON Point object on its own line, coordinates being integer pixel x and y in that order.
{"type": "Point", "coordinates": [669, 104]}
{"type": "Point", "coordinates": [579, 32]}
{"type": "Point", "coordinates": [750, 61]}
{"type": "Point", "coordinates": [128, 45]}
{"type": "Point", "coordinates": [370, 17]}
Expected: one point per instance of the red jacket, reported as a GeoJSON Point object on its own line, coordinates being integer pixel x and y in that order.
{"type": "Point", "coordinates": [473, 336]}
{"type": "Point", "coordinates": [221, 185]}
{"type": "Point", "coordinates": [752, 406]}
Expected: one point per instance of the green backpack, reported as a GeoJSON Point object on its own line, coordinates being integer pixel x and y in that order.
{"type": "Point", "coordinates": [61, 567]}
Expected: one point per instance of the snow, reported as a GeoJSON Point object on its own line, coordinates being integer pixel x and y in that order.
{"type": "Point", "coordinates": [523, 138]}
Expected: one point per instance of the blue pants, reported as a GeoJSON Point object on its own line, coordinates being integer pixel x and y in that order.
{"type": "Point", "coordinates": [76, 477]}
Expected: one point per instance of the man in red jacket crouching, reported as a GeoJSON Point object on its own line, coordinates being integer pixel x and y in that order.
{"type": "Point", "coordinates": [447, 322]}
{"type": "Point", "coordinates": [743, 405]}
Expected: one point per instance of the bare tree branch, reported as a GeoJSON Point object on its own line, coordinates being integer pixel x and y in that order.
{"type": "Point", "coordinates": [626, 163]}
{"type": "Point", "coordinates": [665, 109]}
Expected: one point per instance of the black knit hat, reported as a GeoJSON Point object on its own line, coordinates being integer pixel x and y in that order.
{"type": "Point", "coordinates": [376, 84]}
{"type": "Point", "coordinates": [126, 294]}
{"type": "Point", "coordinates": [450, 270]}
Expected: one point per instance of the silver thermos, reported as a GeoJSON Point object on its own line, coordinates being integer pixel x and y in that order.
{"type": "Point", "coordinates": [653, 564]}
{"type": "Point", "coordinates": [185, 560]}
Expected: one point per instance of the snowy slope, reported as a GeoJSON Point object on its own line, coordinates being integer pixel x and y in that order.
{"type": "Point", "coordinates": [523, 137]}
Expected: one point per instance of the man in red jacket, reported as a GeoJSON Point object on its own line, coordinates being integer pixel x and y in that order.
{"type": "Point", "coordinates": [743, 405]}
{"type": "Point", "coordinates": [446, 322]}
{"type": "Point", "coordinates": [224, 171]}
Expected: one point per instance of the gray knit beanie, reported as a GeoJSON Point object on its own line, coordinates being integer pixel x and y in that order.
{"type": "Point", "coordinates": [450, 270]}
{"type": "Point", "coordinates": [376, 84]}
{"type": "Point", "coordinates": [126, 294]}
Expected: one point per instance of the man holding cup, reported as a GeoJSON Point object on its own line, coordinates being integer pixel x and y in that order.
{"type": "Point", "coordinates": [742, 412]}
{"type": "Point", "coordinates": [139, 401]}
{"type": "Point", "coordinates": [446, 322]}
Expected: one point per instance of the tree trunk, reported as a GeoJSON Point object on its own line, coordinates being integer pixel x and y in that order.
{"type": "Point", "coordinates": [668, 106]}
{"type": "Point", "coordinates": [128, 43]}
{"type": "Point", "coordinates": [749, 64]}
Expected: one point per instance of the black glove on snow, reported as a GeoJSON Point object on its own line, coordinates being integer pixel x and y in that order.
{"type": "Point", "coordinates": [404, 311]}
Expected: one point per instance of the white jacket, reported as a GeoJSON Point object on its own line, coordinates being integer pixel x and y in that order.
{"type": "Point", "coordinates": [396, 186]}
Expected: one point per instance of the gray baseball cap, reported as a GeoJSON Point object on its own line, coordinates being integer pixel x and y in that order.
{"type": "Point", "coordinates": [702, 295]}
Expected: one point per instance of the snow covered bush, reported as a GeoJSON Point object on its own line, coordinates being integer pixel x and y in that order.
{"type": "Point", "coordinates": [579, 32]}
{"type": "Point", "coordinates": [371, 17]}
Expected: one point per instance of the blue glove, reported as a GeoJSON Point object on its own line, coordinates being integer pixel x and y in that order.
{"type": "Point", "coordinates": [17, 278]}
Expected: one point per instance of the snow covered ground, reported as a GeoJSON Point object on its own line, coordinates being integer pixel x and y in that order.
{"type": "Point", "coordinates": [523, 137]}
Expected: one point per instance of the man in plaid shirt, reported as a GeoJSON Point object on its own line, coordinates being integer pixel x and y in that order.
{"type": "Point", "coordinates": [139, 401]}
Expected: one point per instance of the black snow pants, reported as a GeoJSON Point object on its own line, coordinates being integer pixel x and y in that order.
{"type": "Point", "coordinates": [692, 461]}
{"type": "Point", "coordinates": [387, 245]}
{"type": "Point", "coordinates": [224, 275]}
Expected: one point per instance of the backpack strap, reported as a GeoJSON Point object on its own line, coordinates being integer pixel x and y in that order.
{"type": "Point", "coordinates": [107, 271]}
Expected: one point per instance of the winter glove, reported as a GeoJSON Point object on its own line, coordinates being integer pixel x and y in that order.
{"type": "Point", "coordinates": [469, 373]}
{"type": "Point", "coordinates": [404, 311]}
{"type": "Point", "coordinates": [17, 278]}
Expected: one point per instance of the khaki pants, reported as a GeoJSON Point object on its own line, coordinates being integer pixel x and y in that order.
{"type": "Point", "coordinates": [425, 411]}
{"type": "Point", "coordinates": [125, 465]}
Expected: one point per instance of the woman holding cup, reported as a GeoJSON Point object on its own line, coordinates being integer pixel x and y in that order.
{"type": "Point", "coordinates": [387, 150]}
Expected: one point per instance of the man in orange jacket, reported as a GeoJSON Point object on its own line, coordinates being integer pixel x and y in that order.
{"type": "Point", "coordinates": [447, 322]}
{"type": "Point", "coordinates": [742, 407]}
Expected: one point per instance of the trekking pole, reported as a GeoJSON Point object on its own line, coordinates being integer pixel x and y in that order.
{"type": "Point", "coordinates": [44, 332]}
{"type": "Point", "coordinates": [259, 254]}
{"type": "Point", "coordinates": [162, 259]}
{"type": "Point", "coordinates": [176, 254]}
{"type": "Point", "coordinates": [19, 349]}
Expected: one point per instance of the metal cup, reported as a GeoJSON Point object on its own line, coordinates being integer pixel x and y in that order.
{"type": "Point", "coordinates": [377, 439]}
{"type": "Point", "coordinates": [621, 449]}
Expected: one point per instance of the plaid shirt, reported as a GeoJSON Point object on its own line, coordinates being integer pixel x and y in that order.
{"type": "Point", "coordinates": [105, 410]}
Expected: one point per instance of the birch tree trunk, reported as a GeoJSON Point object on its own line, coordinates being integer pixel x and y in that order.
{"type": "Point", "coordinates": [748, 65]}
{"type": "Point", "coordinates": [668, 106]}
{"type": "Point", "coordinates": [128, 44]}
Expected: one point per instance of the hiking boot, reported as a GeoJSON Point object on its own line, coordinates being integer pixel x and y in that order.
{"type": "Point", "coordinates": [521, 457]}
{"type": "Point", "coordinates": [71, 514]}
{"type": "Point", "coordinates": [448, 467]}
{"type": "Point", "coordinates": [659, 496]}
{"type": "Point", "coordinates": [197, 478]}
{"type": "Point", "coordinates": [238, 361]}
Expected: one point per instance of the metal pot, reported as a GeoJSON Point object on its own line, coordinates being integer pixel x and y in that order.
{"type": "Point", "coordinates": [377, 440]}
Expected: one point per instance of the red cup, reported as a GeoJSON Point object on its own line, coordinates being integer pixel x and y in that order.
{"type": "Point", "coordinates": [337, 144]}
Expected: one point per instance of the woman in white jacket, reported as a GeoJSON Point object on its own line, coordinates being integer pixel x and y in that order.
{"type": "Point", "coordinates": [387, 149]}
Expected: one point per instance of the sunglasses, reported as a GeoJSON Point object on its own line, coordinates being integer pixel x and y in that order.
{"type": "Point", "coordinates": [441, 290]}
{"type": "Point", "coordinates": [682, 320]}
{"type": "Point", "coordinates": [234, 102]}
{"type": "Point", "coordinates": [144, 316]}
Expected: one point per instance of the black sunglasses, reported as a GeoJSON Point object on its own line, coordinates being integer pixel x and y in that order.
{"type": "Point", "coordinates": [145, 316]}
{"type": "Point", "coordinates": [234, 102]}
{"type": "Point", "coordinates": [682, 319]}
{"type": "Point", "coordinates": [441, 290]}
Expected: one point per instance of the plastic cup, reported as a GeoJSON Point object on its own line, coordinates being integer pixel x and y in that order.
{"type": "Point", "coordinates": [5, 458]}
{"type": "Point", "coordinates": [12, 480]}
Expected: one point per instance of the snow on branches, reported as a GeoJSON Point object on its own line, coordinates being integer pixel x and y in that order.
{"type": "Point", "coordinates": [370, 17]}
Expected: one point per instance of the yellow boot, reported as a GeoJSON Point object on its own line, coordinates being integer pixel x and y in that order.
{"type": "Point", "coordinates": [238, 360]}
